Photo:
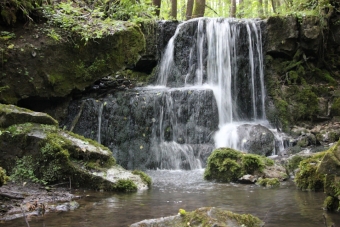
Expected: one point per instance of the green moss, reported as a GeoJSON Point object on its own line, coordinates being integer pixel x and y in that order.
{"type": "Point", "coordinates": [222, 165]}
{"type": "Point", "coordinates": [335, 109]}
{"type": "Point", "coordinates": [268, 182]}
{"type": "Point", "coordinates": [252, 163]}
{"type": "Point", "coordinates": [206, 216]}
{"type": "Point", "coordinates": [145, 178]}
{"type": "Point", "coordinates": [294, 163]}
{"type": "Point", "coordinates": [331, 203]}
{"type": "Point", "coordinates": [307, 178]}
{"type": "Point", "coordinates": [3, 177]}
{"type": "Point", "coordinates": [182, 212]}
{"type": "Point", "coordinates": [226, 165]}
{"type": "Point", "coordinates": [125, 185]}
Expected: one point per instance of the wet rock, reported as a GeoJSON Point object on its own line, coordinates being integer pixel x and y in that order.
{"type": "Point", "coordinates": [248, 179]}
{"type": "Point", "coordinates": [256, 139]}
{"type": "Point", "coordinates": [69, 206]}
{"type": "Point", "coordinates": [206, 216]}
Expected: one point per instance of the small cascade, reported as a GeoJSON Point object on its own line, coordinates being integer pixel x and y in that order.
{"type": "Point", "coordinates": [100, 111]}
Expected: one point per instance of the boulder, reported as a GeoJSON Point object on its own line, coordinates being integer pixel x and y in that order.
{"type": "Point", "coordinates": [10, 114]}
{"type": "Point", "coordinates": [256, 139]}
{"type": "Point", "coordinates": [205, 216]}
{"type": "Point", "coordinates": [229, 165]}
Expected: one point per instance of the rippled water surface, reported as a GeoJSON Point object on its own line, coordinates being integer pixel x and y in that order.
{"type": "Point", "coordinates": [280, 207]}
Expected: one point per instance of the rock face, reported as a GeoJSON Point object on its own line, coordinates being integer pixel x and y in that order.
{"type": "Point", "coordinates": [203, 217]}
{"type": "Point", "coordinates": [45, 154]}
{"type": "Point", "coordinates": [38, 66]}
{"type": "Point", "coordinates": [302, 70]}
{"type": "Point", "coordinates": [145, 128]}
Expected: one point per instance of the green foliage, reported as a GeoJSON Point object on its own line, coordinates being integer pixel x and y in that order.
{"type": "Point", "coordinates": [268, 182]}
{"type": "Point", "coordinates": [92, 21]}
{"type": "Point", "coordinates": [3, 177]}
{"type": "Point", "coordinates": [125, 185]}
{"type": "Point", "coordinates": [12, 9]}
{"type": "Point", "coordinates": [335, 109]}
{"type": "Point", "coordinates": [145, 178]}
{"type": "Point", "coordinates": [307, 178]}
{"type": "Point", "coordinates": [25, 169]}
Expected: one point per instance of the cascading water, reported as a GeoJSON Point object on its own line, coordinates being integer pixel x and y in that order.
{"type": "Point", "coordinates": [225, 57]}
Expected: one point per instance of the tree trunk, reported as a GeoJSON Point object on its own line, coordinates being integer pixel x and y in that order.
{"type": "Point", "coordinates": [174, 9]}
{"type": "Point", "coordinates": [233, 8]}
{"type": "Point", "coordinates": [274, 5]}
{"type": "Point", "coordinates": [190, 6]}
{"type": "Point", "coordinates": [199, 9]}
{"type": "Point", "coordinates": [157, 3]}
{"type": "Point", "coordinates": [265, 7]}
{"type": "Point", "coordinates": [260, 8]}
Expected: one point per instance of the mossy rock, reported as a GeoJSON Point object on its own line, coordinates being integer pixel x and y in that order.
{"type": "Point", "coordinates": [228, 165]}
{"type": "Point", "coordinates": [307, 178]}
{"type": "Point", "coordinates": [10, 115]}
{"type": "Point", "coordinates": [43, 68]}
{"type": "Point", "coordinates": [46, 154]}
{"type": "Point", "coordinates": [204, 217]}
{"type": "Point", "coordinates": [268, 182]}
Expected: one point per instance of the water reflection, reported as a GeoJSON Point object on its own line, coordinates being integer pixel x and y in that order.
{"type": "Point", "coordinates": [172, 190]}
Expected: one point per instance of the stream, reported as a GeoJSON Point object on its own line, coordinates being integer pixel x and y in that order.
{"type": "Point", "coordinates": [175, 189]}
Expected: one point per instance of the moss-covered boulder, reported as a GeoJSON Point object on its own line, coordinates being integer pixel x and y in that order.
{"type": "Point", "coordinates": [203, 217]}
{"type": "Point", "coordinates": [10, 115]}
{"type": "Point", "coordinates": [228, 165]}
{"type": "Point", "coordinates": [36, 65]}
{"type": "Point", "coordinates": [46, 154]}
{"type": "Point", "coordinates": [321, 172]}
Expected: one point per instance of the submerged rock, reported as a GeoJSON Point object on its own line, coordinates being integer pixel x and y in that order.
{"type": "Point", "coordinates": [203, 217]}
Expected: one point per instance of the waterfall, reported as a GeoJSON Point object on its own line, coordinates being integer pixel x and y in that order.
{"type": "Point", "coordinates": [225, 56]}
